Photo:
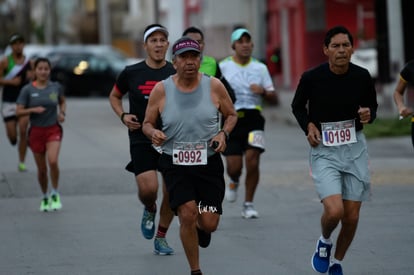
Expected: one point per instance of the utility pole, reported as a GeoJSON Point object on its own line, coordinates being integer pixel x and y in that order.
{"type": "Point", "coordinates": [156, 11]}
{"type": "Point", "coordinates": [50, 22]}
{"type": "Point", "coordinates": [104, 23]}
{"type": "Point", "coordinates": [23, 18]}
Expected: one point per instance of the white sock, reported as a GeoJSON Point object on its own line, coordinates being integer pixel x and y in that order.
{"type": "Point", "coordinates": [335, 261]}
{"type": "Point", "coordinates": [326, 241]}
{"type": "Point", "coordinates": [53, 192]}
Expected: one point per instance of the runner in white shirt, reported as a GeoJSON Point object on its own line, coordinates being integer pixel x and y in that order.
{"type": "Point", "coordinates": [251, 82]}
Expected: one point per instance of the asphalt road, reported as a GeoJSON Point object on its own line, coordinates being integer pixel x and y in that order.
{"type": "Point", "coordinates": [97, 231]}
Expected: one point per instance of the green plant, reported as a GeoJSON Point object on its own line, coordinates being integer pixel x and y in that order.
{"type": "Point", "coordinates": [388, 127]}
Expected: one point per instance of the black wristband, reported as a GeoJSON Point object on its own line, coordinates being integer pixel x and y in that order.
{"type": "Point", "coordinates": [225, 133]}
{"type": "Point", "coordinates": [122, 117]}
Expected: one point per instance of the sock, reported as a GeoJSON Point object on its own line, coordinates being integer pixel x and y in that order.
{"type": "Point", "coordinates": [53, 192]}
{"type": "Point", "coordinates": [161, 232]}
{"type": "Point", "coordinates": [326, 241]}
{"type": "Point", "coordinates": [196, 272]}
{"type": "Point", "coordinates": [151, 209]}
{"type": "Point", "coordinates": [45, 196]}
{"type": "Point", "coordinates": [335, 261]}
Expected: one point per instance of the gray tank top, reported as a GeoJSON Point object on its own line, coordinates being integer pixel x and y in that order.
{"type": "Point", "coordinates": [189, 116]}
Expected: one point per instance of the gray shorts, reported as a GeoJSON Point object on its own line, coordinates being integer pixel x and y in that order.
{"type": "Point", "coordinates": [341, 170]}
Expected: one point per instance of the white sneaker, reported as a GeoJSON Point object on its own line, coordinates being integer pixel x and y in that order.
{"type": "Point", "coordinates": [248, 211]}
{"type": "Point", "coordinates": [231, 191]}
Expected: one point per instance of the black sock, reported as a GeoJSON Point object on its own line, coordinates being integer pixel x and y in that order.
{"type": "Point", "coordinates": [196, 272]}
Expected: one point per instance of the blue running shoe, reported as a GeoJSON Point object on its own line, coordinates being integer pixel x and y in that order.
{"type": "Point", "coordinates": [161, 247]}
{"type": "Point", "coordinates": [147, 224]}
{"type": "Point", "coordinates": [335, 269]}
{"type": "Point", "coordinates": [320, 260]}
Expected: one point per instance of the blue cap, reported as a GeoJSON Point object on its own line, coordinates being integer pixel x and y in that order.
{"type": "Point", "coordinates": [238, 33]}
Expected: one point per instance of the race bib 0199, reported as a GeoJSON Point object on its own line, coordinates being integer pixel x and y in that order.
{"type": "Point", "coordinates": [338, 133]}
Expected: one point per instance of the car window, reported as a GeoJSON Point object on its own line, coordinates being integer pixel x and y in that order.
{"type": "Point", "coordinates": [98, 64]}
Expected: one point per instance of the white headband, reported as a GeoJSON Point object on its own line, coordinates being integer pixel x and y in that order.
{"type": "Point", "coordinates": [154, 29]}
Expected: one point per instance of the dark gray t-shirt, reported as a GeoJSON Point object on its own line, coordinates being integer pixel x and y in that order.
{"type": "Point", "coordinates": [47, 97]}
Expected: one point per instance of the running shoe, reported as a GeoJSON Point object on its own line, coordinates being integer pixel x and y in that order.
{"type": "Point", "coordinates": [161, 247]}
{"type": "Point", "coordinates": [44, 205]}
{"type": "Point", "coordinates": [147, 224]}
{"type": "Point", "coordinates": [231, 191]}
{"type": "Point", "coordinates": [55, 203]}
{"type": "Point", "coordinates": [321, 257]}
{"type": "Point", "coordinates": [21, 167]}
{"type": "Point", "coordinates": [204, 238]}
{"type": "Point", "coordinates": [335, 269]}
{"type": "Point", "coordinates": [248, 211]}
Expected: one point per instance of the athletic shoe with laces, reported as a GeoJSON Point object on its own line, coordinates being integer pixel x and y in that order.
{"type": "Point", "coordinates": [55, 203]}
{"type": "Point", "coordinates": [231, 191]}
{"type": "Point", "coordinates": [248, 211]}
{"type": "Point", "coordinates": [335, 269]}
{"type": "Point", "coordinates": [147, 224]}
{"type": "Point", "coordinates": [204, 238]}
{"type": "Point", "coordinates": [44, 205]}
{"type": "Point", "coordinates": [21, 167]}
{"type": "Point", "coordinates": [161, 247]}
{"type": "Point", "coordinates": [321, 257]}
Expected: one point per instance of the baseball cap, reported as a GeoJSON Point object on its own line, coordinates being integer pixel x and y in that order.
{"type": "Point", "coordinates": [155, 29]}
{"type": "Point", "coordinates": [185, 44]}
{"type": "Point", "coordinates": [16, 37]}
{"type": "Point", "coordinates": [238, 33]}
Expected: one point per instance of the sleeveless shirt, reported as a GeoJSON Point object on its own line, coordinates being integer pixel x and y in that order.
{"type": "Point", "coordinates": [189, 116]}
{"type": "Point", "coordinates": [10, 92]}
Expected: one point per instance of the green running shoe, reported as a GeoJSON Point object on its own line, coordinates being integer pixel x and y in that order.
{"type": "Point", "coordinates": [22, 167]}
{"type": "Point", "coordinates": [44, 205]}
{"type": "Point", "coordinates": [55, 203]}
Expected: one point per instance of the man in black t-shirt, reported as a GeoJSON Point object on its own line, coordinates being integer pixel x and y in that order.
{"type": "Point", "coordinates": [331, 104]}
{"type": "Point", "coordinates": [137, 81]}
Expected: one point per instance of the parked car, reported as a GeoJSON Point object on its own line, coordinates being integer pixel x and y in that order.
{"type": "Point", "coordinates": [86, 70]}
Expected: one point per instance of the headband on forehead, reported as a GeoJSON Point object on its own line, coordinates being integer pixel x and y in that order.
{"type": "Point", "coordinates": [185, 44]}
{"type": "Point", "coordinates": [154, 29]}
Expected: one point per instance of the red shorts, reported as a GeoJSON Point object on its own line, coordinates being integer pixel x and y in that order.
{"type": "Point", "coordinates": [40, 136]}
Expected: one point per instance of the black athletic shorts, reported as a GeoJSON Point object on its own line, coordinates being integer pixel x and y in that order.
{"type": "Point", "coordinates": [143, 158]}
{"type": "Point", "coordinates": [248, 121]}
{"type": "Point", "coordinates": [201, 183]}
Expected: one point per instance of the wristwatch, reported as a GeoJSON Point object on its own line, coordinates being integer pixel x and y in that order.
{"type": "Point", "coordinates": [225, 133]}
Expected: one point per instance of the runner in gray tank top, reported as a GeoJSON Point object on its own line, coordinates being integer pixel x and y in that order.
{"type": "Point", "coordinates": [189, 104]}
